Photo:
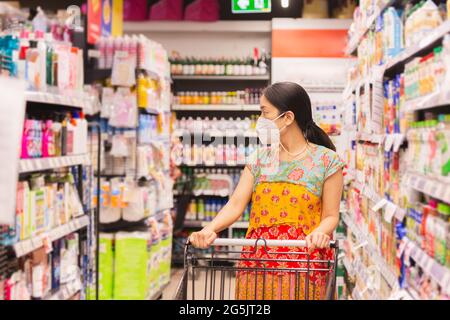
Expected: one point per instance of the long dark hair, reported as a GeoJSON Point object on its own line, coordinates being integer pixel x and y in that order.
{"type": "Point", "coordinates": [289, 96]}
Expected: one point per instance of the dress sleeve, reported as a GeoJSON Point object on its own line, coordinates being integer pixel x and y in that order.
{"type": "Point", "coordinates": [334, 164]}
{"type": "Point", "coordinates": [253, 163]}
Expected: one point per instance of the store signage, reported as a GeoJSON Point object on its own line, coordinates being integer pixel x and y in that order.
{"type": "Point", "coordinates": [105, 18]}
{"type": "Point", "coordinates": [251, 6]}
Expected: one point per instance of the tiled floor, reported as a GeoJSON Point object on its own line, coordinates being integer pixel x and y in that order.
{"type": "Point", "coordinates": [219, 285]}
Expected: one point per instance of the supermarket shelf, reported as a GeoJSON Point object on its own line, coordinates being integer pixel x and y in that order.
{"type": "Point", "coordinates": [409, 52]}
{"type": "Point", "coordinates": [354, 43]}
{"type": "Point", "coordinates": [430, 266]}
{"type": "Point", "coordinates": [39, 164]}
{"type": "Point", "coordinates": [430, 186]}
{"type": "Point", "coordinates": [427, 102]}
{"type": "Point", "coordinates": [26, 246]}
{"type": "Point", "coordinates": [262, 77]}
{"type": "Point", "coordinates": [237, 26]}
{"type": "Point", "coordinates": [386, 271]}
{"type": "Point", "coordinates": [374, 138]}
{"type": "Point", "coordinates": [66, 291]}
{"type": "Point", "coordinates": [150, 111]}
{"type": "Point", "coordinates": [394, 210]}
{"type": "Point", "coordinates": [56, 99]}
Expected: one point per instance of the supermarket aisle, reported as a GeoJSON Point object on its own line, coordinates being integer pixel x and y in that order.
{"type": "Point", "coordinates": [171, 289]}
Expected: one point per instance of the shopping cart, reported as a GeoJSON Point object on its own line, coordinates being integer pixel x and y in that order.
{"type": "Point", "coordinates": [220, 273]}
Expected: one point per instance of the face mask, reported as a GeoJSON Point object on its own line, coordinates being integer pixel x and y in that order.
{"type": "Point", "coordinates": [268, 132]}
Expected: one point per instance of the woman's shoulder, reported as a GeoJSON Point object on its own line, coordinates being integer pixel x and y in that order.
{"type": "Point", "coordinates": [326, 157]}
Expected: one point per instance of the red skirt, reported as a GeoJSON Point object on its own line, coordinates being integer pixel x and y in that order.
{"type": "Point", "coordinates": [282, 273]}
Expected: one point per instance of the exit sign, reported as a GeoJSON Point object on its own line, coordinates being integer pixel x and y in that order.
{"type": "Point", "coordinates": [251, 6]}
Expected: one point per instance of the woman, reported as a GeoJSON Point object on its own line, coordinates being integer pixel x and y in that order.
{"type": "Point", "coordinates": [295, 186]}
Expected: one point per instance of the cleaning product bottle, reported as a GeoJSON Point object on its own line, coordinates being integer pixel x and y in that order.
{"type": "Point", "coordinates": [71, 132]}
{"type": "Point", "coordinates": [56, 129]}
{"type": "Point", "coordinates": [48, 143]}
{"type": "Point", "coordinates": [27, 138]}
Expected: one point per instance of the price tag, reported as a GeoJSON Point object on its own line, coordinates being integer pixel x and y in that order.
{"type": "Point", "coordinates": [429, 265]}
{"type": "Point", "coordinates": [389, 142]}
{"type": "Point", "coordinates": [36, 242]}
{"type": "Point", "coordinates": [401, 248]}
{"type": "Point", "coordinates": [380, 204]}
{"type": "Point", "coordinates": [93, 53]}
{"type": "Point", "coordinates": [389, 212]}
{"type": "Point", "coordinates": [400, 214]}
{"type": "Point", "coordinates": [447, 194]}
{"type": "Point", "coordinates": [428, 186]}
{"type": "Point", "coordinates": [442, 191]}
{"type": "Point", "coordinates": [445, 282]}
{"type": "Point", "coordinates": [19, 249]}
{"type": "Point", "coordinates": [421, 184]}
{"type": "Point", "coordinates": [399, 137]}
{"type": "Point", "coordinates": [121, 54]}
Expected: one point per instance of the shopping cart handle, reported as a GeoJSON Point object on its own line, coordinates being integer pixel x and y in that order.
{"type": "Point", "coordinates": [263, 242]}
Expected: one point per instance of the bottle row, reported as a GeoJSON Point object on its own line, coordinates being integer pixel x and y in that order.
{"type": "Point", "coordinates": [428, 225]}
{"type": "Point", "coordinates": [207, 210]}
{"type": "Point", "coordinates": [248, 96]}
{"type": "Point", "coordinates": [222, 154]}
{"type": "Point", "coordinates": [42, 61]}
{"type": "Point", "coordinates": [256, 65]}
{"type": "Point", "coordinates": [428, 151]}
{"type": "Point", "coordinates": [60, 135]}
{"type": "Point", "coordinates": [137, 51]}
{"type": "Point", "coordinates": [45, 202]}
{"type": "Point", "coordinates": [222, 124]}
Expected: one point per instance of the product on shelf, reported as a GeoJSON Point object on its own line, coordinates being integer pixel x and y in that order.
{"type": "Point", "coordinates": [42, 61]}
{"type": "Point", "coordinates": [221, 126]}
{"type": "Point", "coordinates": [245, 66]}
{"type": "Point", "coordinates": [249, 96]}
{"type": "Point", "coordinates": [44, 274]}
{"type": "Point", "coordinates": [62, 135]}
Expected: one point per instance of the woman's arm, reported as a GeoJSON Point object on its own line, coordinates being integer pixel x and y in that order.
{"type": "Point", "coordinates": [229, 214]}
{"type": "Point", "coordinates": [331, 199]}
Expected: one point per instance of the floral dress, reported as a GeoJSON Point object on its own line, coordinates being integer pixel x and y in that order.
{"type": "Point", "coordinates": [286, 205]}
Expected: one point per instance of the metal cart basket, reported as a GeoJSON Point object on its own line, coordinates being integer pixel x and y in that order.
{"type": "Point", "coordinates": [213, 274]}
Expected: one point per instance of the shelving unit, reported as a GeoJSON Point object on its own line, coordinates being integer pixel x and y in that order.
{"type": "Point", "coordinates": [432, 187]}
{"type": "Point", "coordinates": [355, 41]}
{"type": "Point", "coordinates": [58, 99]}
{"type": "Point", "coordinates": [201, 224]}
{"type": "Point", "coordinates": [24, 247]}
{"type": "Point", "coordinates": [40, 164]}
{"type": "Point", "coordinates": [67, 291]}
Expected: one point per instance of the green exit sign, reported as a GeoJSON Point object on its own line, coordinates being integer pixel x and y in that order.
{"type": "Point", "coordinates": [251, 6]}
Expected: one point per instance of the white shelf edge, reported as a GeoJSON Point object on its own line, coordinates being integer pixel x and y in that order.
{"type": "Point", "coordinates": [417, 254]}
{"type": "Point", "coordinates": [26, 246]}
{"type": "Point", "coordinates": [236, 26]}
{"type": "Point", "coordinates": [428, 185]}
{"type": "Point", "coordinates": [56, 99]}
{"type": "Point", "coordinates": [219, 107]}
{"type": "Point", "coordinates": [39, 164]}
{"type": "Point", "coordinates": [66, 291]}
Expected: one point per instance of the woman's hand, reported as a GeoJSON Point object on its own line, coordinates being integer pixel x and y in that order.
{"type": "Point", "coordinates": [317, 240]}
{"type": "Point", "coordinates": [203, 239]}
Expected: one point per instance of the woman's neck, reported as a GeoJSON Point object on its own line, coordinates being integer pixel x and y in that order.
{"type": "Point", "coordinates": [293, 141]}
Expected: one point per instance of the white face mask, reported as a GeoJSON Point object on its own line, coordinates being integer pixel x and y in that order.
{"type": "Point", "coordinates": [268, 132]}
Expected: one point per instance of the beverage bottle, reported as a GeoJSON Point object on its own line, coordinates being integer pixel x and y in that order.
{"type": "Point", "coordinates": [201, 210]}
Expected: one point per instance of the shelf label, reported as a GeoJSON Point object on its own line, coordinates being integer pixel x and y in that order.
{"type": "Point", "coordinates": [389, 212]}
{"type": "Point", "coordinates": [389, 142]}
{"type": "Point", "coordinates": [380, 204]}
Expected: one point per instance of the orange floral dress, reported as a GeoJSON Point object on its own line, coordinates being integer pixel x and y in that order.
{"type": "Point", "coordinates": [286, 205]}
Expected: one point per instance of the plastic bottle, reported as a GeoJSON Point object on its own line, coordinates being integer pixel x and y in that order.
{"type": "Point", "coordinates": [64, 136]}
{"type": "Point", "coordinates": [443, 138]}
{"type": "Point", "coordinates": [56, 129]}
{"type": "Point", "coordinates": [27, 139]}
{"type": "Point", "coordinates": [48, 144]}
{"type": "Point", "coordinates": [440, 228]}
